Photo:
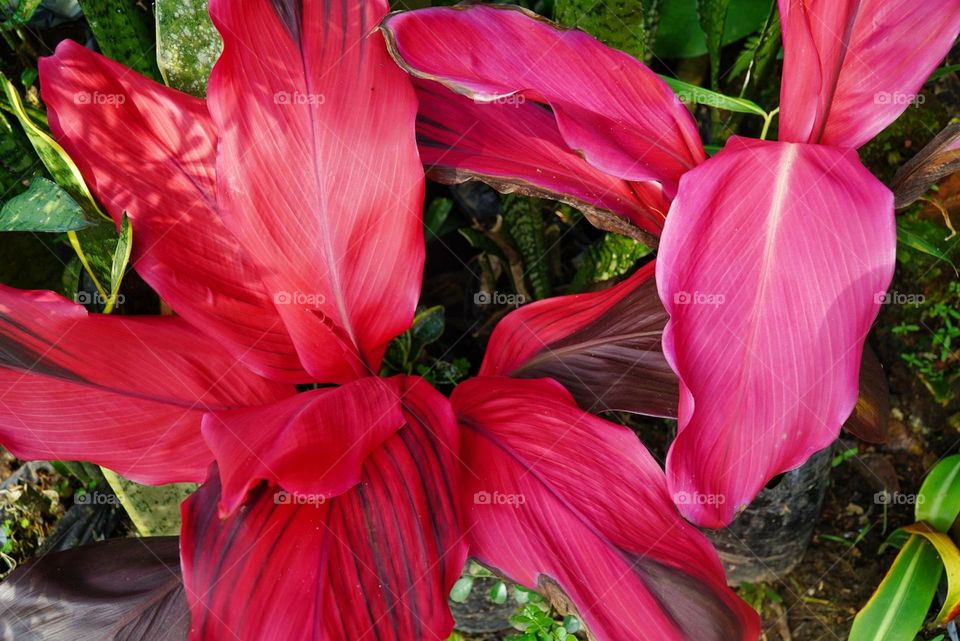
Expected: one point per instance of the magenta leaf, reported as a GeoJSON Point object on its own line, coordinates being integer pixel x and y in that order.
{"type": "Point", "coordinates": [771, 284]}
{"type": "Point", "coordinates": [850, 67]}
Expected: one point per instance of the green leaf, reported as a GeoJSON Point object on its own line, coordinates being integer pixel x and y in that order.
{"type": "Point", "coordinates": [627, 25]}
{"type": "Point", "coordinates": [611, 256]}
{"type": "Point", "coordinates": [950, 557]}
{"type": "Point", "coordinates": [897, 609]}
{"type": "Point", "coordinates": [62, 169]}
{"type": "Point", "coordinates": [124, 31]}
{"type": "Point", "coordinates": [938, 501]}
{"type": "Point", "coordinates": [523, 221]}
{"type": "Point", "coordinates": [498, 593]}
{"type": "Point", "coordinates": [435, 216]}
{"type": "Point", "coordinates": [698, 95]}
{"type": "Point", "coordinates": [97, 247]}
{"type": "Point", "coordinates": [18, 162]}
{"type": "Point", "coordinates": [25, 11]}
{"type": "Point", "coordinates": [679, 34]}
{"type": "Point", "coordinates": [155, 511]}
{"type": "Point", "coordinates": [44, 207]}
{"type": "Point", "coordinates": [924, 237]}
{"type": "Point", "coordinates": [461, 590]}
{"type": "Point", "coordinates": [187, 44]}
{"type": "Point", "coordinates": [713, 17]}
{"type": "Point", "coordinates": [428, 326]}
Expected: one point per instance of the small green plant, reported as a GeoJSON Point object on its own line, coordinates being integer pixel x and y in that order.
{"type": "Point", "coordinates": [934, 340]}
{"type": "Point", "coordinates": [537, 621]}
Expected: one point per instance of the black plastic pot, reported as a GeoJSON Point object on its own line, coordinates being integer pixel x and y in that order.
{"type": "Point", "coordinates": [770, 537]}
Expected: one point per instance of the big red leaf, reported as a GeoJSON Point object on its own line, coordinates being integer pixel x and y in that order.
{"type": "Point", "coordinates": [124, 392]}
{"type": "Point", "coordinates": [374, 563]}
{"type": "Point", "coordinates": [556, 497]}
{"type": "Point", "coordinates": [604, 347]}
{"type": "Point", "coordinates": [772, 266]}
{"type": "Point", "coordinates": [850, 67]}
{"type": "Point", "coordinates": [149, 151]}
{"type": "Point", "coordinates": [318, 174]}
{"type": "Point", "coordinates": [303, 443]}
{"type": "Point", "coordinates": [609, 107]}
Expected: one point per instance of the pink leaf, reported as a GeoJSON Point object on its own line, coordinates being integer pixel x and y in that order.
{"type": "Point", "coordinates": [149, 151]}
{"type": "Point", "coordinates": [609, 106]}
{"type": "Point", "coordinates": [516, 146]}
{"type": "Point", "coordinates": [374, 563]}
{"type": "Point", "coordinates": [126, 393]}
{"type": "Point", "coordinates": [772, 266]}
{"type": "Point", "coordinates": [851, 67]}
{"type": "Point", "coordinates": [603, 347]}
{"type": "Point", "coordinates": [318, 174]}
{"type": "Point", "coordinates": [556, 497]}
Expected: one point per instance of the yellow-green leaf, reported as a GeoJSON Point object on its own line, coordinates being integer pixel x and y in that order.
{"type": "Point", "coordinates": [155, 511]}
{"type": "Point", "coordinates": [62, 169]}
{"type": "Point", "coordinates": [950, 557]}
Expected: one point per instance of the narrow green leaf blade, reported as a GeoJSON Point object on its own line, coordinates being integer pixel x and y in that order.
{"type": "Point", "coordinates": [921, 236]}
{"type": "Point", "coordinates": [121, 258]}
{"type": "Point", "coordinates": [938, 501]}
{"type": "Point", "coordinates": [897, 609]}
{"type": "Point", "coordinates": [187, 44]}
{"type": "Point", "coordinates": [713, 16]}
{"type": "Point", "coordinates": [698, 95]}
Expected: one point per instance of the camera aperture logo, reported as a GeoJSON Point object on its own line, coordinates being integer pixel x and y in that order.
{"type": "Point", "coordinates": [295, 498]}
{"type": "Point", "coordinates": [499, 498]}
